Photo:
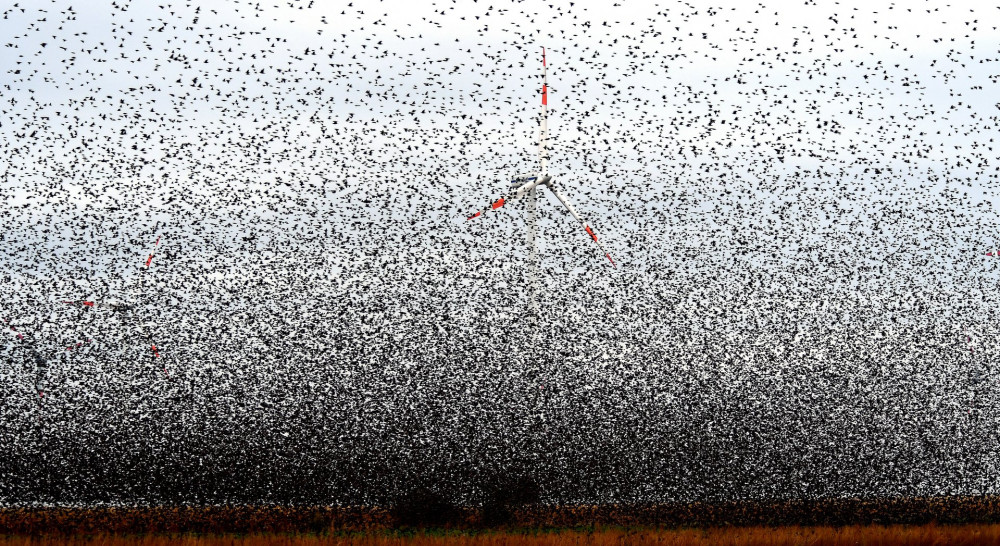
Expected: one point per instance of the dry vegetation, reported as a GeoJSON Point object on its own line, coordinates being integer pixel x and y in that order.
{"type": "Point", "coordinates": [428, 520]}
{"type": "Point", "coordinates": [735, 536]}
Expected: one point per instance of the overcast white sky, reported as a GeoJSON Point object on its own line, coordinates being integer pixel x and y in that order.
{"type": "Point", "coordinates": [676, 127]}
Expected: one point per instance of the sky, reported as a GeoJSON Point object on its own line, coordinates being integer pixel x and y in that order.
{"type": "Point", "coordinates": [774, 181]}
{"type": "Point", "coordinates": [658, 83]}
{"type": "Point", "coordinates": [677, 130]}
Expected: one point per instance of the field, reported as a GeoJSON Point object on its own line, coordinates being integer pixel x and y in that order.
{"type": "Point", "coordinates": [429, 520]}
{"type": "Point", "coordinates": [929, 534]}
{"type": "Point", "coordinates": [426, 510]}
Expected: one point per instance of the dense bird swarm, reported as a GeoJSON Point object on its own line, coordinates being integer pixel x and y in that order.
{"type": "Point", "coordinates": [265, 202]}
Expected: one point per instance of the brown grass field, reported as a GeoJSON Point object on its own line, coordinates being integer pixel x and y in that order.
{"type": "Point", "coordinates": [930, 534]}
{"type": "Point", "coordinates": [429, 513]}
{"type": "Point", "coordinates": [426, 522]}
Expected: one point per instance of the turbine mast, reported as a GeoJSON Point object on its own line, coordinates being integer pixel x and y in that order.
{"type": "Point", "coordinates": [531, 215]}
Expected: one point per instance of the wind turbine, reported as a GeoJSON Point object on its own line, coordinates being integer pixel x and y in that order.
{"type": "Point", "coordinates": [41, 363]}
{"type": "Point", "coordinates": [126, 308]}
{"type": "Point", "coordinates": [524, 186]}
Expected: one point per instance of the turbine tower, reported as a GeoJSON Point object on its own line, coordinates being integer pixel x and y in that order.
{"type": "Point", "coordinates": [524, 186]}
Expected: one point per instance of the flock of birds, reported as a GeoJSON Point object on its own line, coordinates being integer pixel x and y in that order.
{"type": "Point", "coordinates": [800, 204]}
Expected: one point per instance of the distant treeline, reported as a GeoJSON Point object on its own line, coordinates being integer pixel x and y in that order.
{"type": "Point", "coordinates": [422, 509]}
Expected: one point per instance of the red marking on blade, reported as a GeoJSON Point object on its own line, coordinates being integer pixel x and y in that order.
{"type": "Point", "coordinates": [12, 329]}
{"type": "Point", "coordinates": [157, 243]}
{"type": "Point", "coordinates": [591, 233]}
{"type": "Point", "coordinates": [155, 353]}
{"type": "Point", "coordinates": [498, 204]}
{"type": "Point", "coordinates": [545, 95]}
{"type": "Point", "coordinates": [473, 216]}
{"type": "Point", "coordinates": [612, 261]}
{"type": "Point", "coordinates": [88, 303]}
{"type": "Point", "coordinates": [149, 260]}
{"type": "Point", "coordinates": [79, 344]}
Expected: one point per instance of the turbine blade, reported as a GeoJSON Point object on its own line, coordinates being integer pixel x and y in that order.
{"type": "Point", "coordinates": [142, 326]}
{"type": "Point", "coordinates": [12, 329]}
{"type": "Point", "coordinates": [153, 253]}
{"type": "Point", "coordinates": [78, 345]}
{"type": "Point", "coordinates": [543, 124]}
{"type": "Point", "coordinates": [562, 199]}
{"type": "Point", "coordinates": [85, 304]}
{"type": "Point", "coordinates": [516, 194]}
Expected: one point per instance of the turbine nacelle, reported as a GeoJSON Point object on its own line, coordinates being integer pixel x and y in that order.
{"type": "Point", "coordinates": [524, 179]}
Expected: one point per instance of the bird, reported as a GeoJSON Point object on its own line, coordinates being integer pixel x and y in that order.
{"type": "Point", "coordinates": [801, 200]}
